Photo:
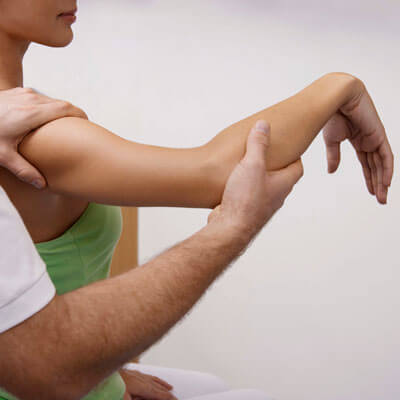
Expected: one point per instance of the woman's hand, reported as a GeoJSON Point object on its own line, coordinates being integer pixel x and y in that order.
{"type": "Point", "coordinates": [337, 101]}
{"type": "Point", "coordinates": [358, 121]}
{"type": "Point", "coordinates": [141, 386]}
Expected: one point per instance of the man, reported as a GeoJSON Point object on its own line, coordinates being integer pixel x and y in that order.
{"type": "Point", "coordinates": [127, 313]}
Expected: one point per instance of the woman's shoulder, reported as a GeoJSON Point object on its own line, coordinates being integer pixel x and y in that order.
{"type": "Point", "coordinates": [45, 214]}
{"type": "Point", "coordinates": [57, 144]}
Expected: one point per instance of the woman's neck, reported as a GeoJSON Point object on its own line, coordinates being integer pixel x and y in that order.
{"type": "Point", "coordinates": [11, 55]}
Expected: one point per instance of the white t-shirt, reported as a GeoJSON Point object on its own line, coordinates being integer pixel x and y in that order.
{"type": "Point", "coordinates": [25, 286]}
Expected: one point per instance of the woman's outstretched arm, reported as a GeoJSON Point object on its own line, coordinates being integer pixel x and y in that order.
{"type": "Point", "coordinates": [82, 159]}
{"type": "Point", "coordinates": [337, 101]}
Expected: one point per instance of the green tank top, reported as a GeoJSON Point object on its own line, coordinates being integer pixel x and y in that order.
{"type": "Point", "coordinates": [82, 255]}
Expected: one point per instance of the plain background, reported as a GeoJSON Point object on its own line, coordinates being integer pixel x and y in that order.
{"type": "Point", "coordinates": [311, 310]}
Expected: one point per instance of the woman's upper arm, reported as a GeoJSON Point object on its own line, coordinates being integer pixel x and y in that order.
{"type": "Point", "coordinates": [82, 159]}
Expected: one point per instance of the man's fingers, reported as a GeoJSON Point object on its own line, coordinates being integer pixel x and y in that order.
{"type": "Point", "coordinates": [297, 170]}
{"type": "Point", "coordinates": [23, 170]}
{"type": "Point", "coordinates": [47, 112]}
{"type": "Point", "coordinates": [257, 142]}
{"type": "Point", "coordinates": [292, 173]}
{"type": "Point", "coordinates": [29, 96]}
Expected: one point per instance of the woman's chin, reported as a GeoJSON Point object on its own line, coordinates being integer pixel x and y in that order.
{"type": "Point", "coordinates": [58, 41]}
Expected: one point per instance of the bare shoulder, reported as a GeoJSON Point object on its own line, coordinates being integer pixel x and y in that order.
{"type": "Point", "coordinates": [53, 137]}
{"type": "Point", "coordinates": [62, 143]}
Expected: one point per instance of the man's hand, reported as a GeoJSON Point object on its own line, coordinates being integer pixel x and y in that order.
{"type": "Point", "coordinates": [21, 111]}
{"type": "Point", "coordinates": [359, 122]}
{"type": "Point", "coordinates": [145, 387]}
{"type": "Point", "coordinates": [252, 194]}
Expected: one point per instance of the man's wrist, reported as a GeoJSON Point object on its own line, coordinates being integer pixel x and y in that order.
{"type": "Point", "coordinates": [229, 232]}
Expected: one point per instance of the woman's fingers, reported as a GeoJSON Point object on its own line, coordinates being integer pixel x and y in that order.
{"type": "Point", "coordinates": [162, 382]}
{"type": "Point", "coordinates": [335, 132]}
{"type": "Point", "coordinates": [332, 156]}
{"type": "Point", "coordinates": [379, 173]}
{"type": "Point", "coordinates": [386, 154]}
{"type": "Point", "coordinates": [162, 387]}
{"type": "Point", "coordinates": [372, 167]}
{"type": "Point", "coordinates": [362, 157]}
{"type": "Point", "coordinates": [382, 189]}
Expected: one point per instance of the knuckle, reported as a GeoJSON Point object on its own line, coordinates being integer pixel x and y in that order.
{"type": "Point", "coordinates": [19, 90]}
{"type": "Point", "coordinates": [23, 110]}
{"type": "Point", "coordinates": [22, 174]}
{"type": "Point", "coordinates": [81, 113]}
{"type": "Point", "coordinates": [31, 97]}
{"type": "Point", "coordinates": [28, 108]}
{"type": "Point", "coordinates": [64, 105]}
{"type": "Point", "coordinates": [28, 90]}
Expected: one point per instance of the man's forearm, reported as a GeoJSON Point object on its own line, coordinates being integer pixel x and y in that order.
{"type": "Point", "coordinates": [83, 336]}
{"type": "Point", "coordinates": [294, 124]}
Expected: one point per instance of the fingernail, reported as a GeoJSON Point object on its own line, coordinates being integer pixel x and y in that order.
{"type": "Point", "coordinates": [38, 184]}
{"type": "Point", "coordinates": [261, 125]}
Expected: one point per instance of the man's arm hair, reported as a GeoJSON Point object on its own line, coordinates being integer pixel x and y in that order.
{"type": "Point", "coordinates": [84, 336]}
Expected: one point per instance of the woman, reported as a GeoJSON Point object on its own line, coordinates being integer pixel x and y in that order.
{"type": "Point", "coordinates": [89, 169]}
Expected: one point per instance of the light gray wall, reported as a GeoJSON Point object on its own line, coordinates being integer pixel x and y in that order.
{"type": "Point", "coordinates": [310, 312]}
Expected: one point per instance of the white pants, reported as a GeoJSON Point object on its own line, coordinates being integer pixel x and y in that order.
{"type": "Point", "coordinates": [196, 385]}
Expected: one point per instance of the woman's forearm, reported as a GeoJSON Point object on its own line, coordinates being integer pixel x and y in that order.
{"type": "Point", "coordinates": [295, 122]}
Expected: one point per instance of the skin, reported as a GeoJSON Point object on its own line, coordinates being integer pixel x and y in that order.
{"type": "Point", "coordinates": [138, 181]}
{"type": "Point", "coordinates": [144, 386]}
{"type": "Point", "coordinates": [144, 179]}
{"type": "Point", "coordinates": [21, 111]}
{"type": "Point", "coordinates": [130, 312]}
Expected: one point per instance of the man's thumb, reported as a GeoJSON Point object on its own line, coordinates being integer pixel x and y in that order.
{"type": "Point", "coordinates": [258, 141]}
{"type": "Point", "coordinates": [25, 171]}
